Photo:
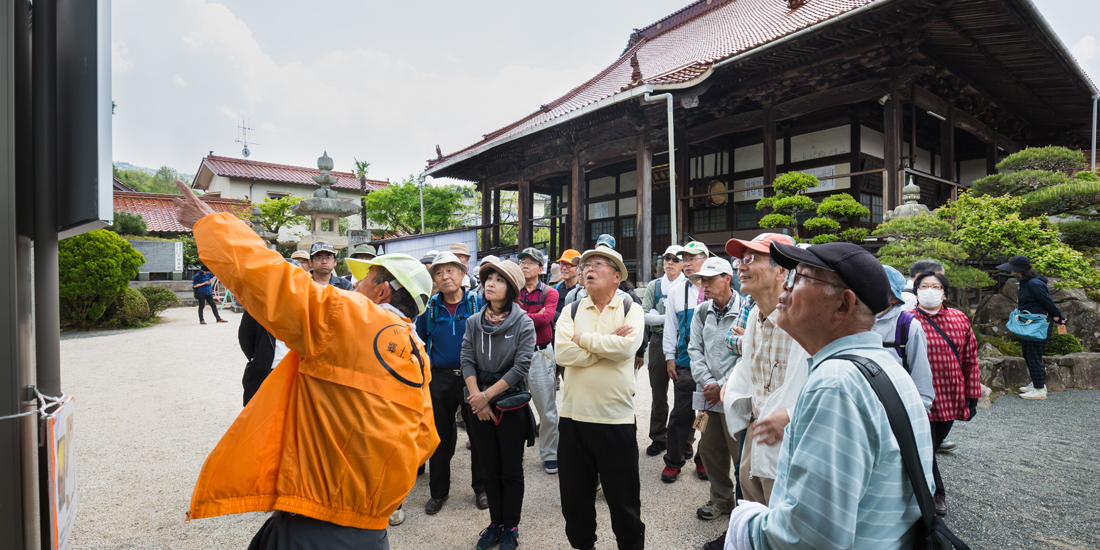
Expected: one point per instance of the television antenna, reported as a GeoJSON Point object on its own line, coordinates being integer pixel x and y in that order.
{"type": "Point", "coordinates": [242, 135]}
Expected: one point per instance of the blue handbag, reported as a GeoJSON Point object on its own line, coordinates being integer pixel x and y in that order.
{"type": "Point", "coordinates": [1028, 326]}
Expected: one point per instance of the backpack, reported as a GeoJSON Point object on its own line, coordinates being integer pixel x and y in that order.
{"type": "Point", "coordinates": [541, 288]}
{"type": "Point", "coordinates": [626, 308]}
{"type": "Point", "coordinates": [901, 338]}
{"type": "Point", "coordinates": [470, 300]}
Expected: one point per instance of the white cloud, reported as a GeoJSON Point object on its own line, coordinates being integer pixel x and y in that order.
{"type": "Point", "coordinates": [120, 58]}
{"type": "Point", "coordinates": [358, 103]}
{"type": "Point", "coordinates": [180, 81]}
{"type": "Point", "coordinates": [1085, 49]}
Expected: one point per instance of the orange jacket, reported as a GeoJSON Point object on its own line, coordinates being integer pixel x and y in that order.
{"type": "Point", "coordinates": [338, 429]}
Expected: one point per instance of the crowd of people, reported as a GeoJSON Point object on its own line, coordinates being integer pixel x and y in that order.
{"type": "Point", "coordinates": [767, 354]}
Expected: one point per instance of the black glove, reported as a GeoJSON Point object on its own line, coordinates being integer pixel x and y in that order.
{"type": "Point", "coordinates": [972, 404]}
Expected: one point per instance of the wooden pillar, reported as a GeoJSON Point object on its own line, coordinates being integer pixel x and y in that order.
{"type": "Point", "coordinates": [486, 216]}
{"type": "Point", "coordinates": [990, 158]}
{"type": "Point", "coordinates": [576, 205]}
{"type": "Point", "coordinates": [525, 212]}
{"type": "Point", "coordinates": [947, 151]}
{"type": "Point", "coordinates": [552, 248]}
{"type": "Point", "coordinates": [769, 146]}
{"type": "Point", "coordinates": [496, 218]}
{"type": "Point", "coordinates": [643, 227]}
{"type": "Point", "coordinates": [891, 190]}
{"type": "Point", "coordinates": [683, 185]}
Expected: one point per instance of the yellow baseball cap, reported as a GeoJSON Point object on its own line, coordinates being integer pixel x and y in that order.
{"type": "Point", "coordinates": [407, 271]}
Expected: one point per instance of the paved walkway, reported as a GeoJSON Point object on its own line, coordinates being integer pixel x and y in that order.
{"type": "Point", "coordinates": [153, 402]}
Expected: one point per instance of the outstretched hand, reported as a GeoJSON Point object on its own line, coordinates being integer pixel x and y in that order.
{"type": "Point", "coordinates": [189, 208]}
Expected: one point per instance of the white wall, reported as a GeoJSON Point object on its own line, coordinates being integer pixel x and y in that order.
{"type": "Point", "coordinates": [971, 170]}
{"type": "Point", "coordinates": [871, 142]}
{"type": "Point", "coordinates": [825, 143]}
{"type": "Point", "coordinates": [238, 188]}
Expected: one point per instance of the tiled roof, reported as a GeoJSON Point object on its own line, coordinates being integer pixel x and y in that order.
{"type": "Point", "coordinates": [241, 168]}
{"type": "Point", "coordinates": [120, 185]}
{"type": "Point", "coordinates": [679, 49]}
{"type": "Point", "coordinates": [160, 214]}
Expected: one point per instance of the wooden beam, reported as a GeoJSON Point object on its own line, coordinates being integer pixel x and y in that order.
{"type": "Point", "coordinates": [965, 121]}
{"type": "Point", "coordinates": [643, 226]}
{"type": "Point", "coordinates": [612, 151]}
{"type": "Point", "coordinates": [496, 218]}
{"type": "Point", "coordinates": [576, 205]}
{"type": "Point", "coordinates": [990, 159]}
{"type": "Point", "coordinates": [525, 212]}
{"type": "Point", "coordinates": [1007, 144]}
{"type": "Point", "coordinates": [891, 191]}
{"type": "Point", "coordinates": [554, 166]}
{"type": "Point", "coordinates": [497, 181]}
{"type": "Point", "coordinates": [486, 216]}
{"type": "Point", "coordinates": [769, 147]}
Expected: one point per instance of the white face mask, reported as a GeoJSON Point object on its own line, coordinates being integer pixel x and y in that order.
{"type": "Point", "coordinates": [930, 297]}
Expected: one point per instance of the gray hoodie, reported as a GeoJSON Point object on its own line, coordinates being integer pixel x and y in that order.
{"type": "Point", "coordinates": [507, 347]}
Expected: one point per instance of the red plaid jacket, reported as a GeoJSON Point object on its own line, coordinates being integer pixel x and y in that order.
{"type": "Point", "coordinates": [953, 382]}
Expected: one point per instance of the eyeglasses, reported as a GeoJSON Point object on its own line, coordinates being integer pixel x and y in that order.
{"type": "Point", "coordinates": [672, 258]}
{"type": "Point", "coordinates": [529, 263]}
{"type": "Point", "coordinates": [597, 263]}
{"type": "Point", "coordinates": [793, 277]}
{"type": "Point", "coordinates": [927, 287]}
{"type": "Point", "coordinates": [566, 265]}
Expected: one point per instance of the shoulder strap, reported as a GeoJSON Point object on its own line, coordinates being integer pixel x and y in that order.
{"type": "Point", "coordinates": [577, 303]}
{"type": "Point", "coordinates": [901, 338]}
{"type": "Point", "coordinates": [907, 444]}
{"type": "Point", "coordinates": [954, 349]}
{"type": "Point", "coordinates": [704, 310]}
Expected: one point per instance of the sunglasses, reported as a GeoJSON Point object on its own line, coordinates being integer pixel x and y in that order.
{"type": "Point", "coordinates": [672, 258]}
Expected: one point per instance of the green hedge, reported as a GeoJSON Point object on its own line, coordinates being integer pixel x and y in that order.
{"type": "Point", "coordinates": [1062, 344]}
{"type": "Point", "coordinates": [93, 269]}
{"type": "Point", "coordinates": [159, 298]}
{"type": "Point", "coordinates": [130, 309]}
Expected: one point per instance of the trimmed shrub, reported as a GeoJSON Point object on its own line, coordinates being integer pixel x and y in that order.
{"type": "Point", "coordinates": [1053, 159]}
{"type": "Point", "coordinates": [1062, 344]}
{"type": "Point", "coordinates": [130, 309]}
{"type": "Point", "coordinates": [159, 298]}
{"type": "Point", "coordinates": [126, 223]}
{"type": "Point", "coordinates": [1081, 233]}
{"type": "Point", "coordinates": [93, 269]}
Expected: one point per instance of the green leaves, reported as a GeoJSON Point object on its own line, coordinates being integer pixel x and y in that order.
{"type": "Point", "coordinates": [397, 207]}
{"type": "Point", "coordinates": [776, 220]}
{"type": "Point", "coordinates": [793, 183]}
{"type": "Point", "coordinates": [823, 224]}
{"type": "Point", "coordinates": [925, 226]}
{"type": "Point", "coordinates": [1079, 198]}
{"type": "Point", "coordinates": [276, 214]}
{"type": "Point", "coordinates": [842, 205]}
{"type": "Point", "coordinates": [126, 223]}
{"type": "Point", "coordinates": [1053, 159]}
{"type": "Point", "coordinates": [1017, 183]}
{"type": "Point", "coordinates": [93, 269]}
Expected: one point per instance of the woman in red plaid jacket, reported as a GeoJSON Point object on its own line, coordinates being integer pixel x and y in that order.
{"type": "Point", "coordinates": [953, 355]}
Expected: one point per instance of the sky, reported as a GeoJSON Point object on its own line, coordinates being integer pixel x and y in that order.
{"type": "Point", "coordinates": [376, 80]}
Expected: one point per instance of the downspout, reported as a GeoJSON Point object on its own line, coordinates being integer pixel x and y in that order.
{"type": "Point", "coordinates": [648, 98]}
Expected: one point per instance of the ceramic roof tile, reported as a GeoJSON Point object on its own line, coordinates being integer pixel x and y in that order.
{"type": "Point", "coordinates": [160, 214]}
{"type": "Point", "coordinates": [678, 49]}
{"type": "Point", "coordinates": [241, 168]}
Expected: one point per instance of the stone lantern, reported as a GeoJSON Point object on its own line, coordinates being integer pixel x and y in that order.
{"type": "Point", "coordinates": [258, 227]}
{"type": "Point", "coordinates": [910, 194]}
{"type": "Point", "coordinates": [325, 209]}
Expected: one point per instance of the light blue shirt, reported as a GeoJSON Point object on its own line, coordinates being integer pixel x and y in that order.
{"type": "Point", "coordinates": [841, 483]}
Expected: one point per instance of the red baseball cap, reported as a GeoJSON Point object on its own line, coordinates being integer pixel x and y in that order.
{"type": "Point", "coordinates": [761, 243]}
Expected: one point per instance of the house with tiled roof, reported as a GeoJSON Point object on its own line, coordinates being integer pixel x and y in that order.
{"type": "Point", "coordinates": [682, 134]}
{"type": "Point", "coordinates": [256, 180]}
{"type": "Point", "coordinates": [159, 212]}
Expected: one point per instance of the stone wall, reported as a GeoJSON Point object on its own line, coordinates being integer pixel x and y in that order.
{"type": "Point", "coordinates": [1082, 314]}
{"type": "Point", "coordinates": [1076, 370]}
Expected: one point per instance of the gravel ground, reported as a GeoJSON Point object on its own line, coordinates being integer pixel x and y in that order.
{"type": "Point", "coordinates": [153, 402]}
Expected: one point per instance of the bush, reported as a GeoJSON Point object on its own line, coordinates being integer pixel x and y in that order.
{"type": "Point", "coordinates": [126, 223]}
{"type": "Point", "coordinates": [1005, 346]}
{"type": "Point", "coordinates": [130, 309]}
{"type": "Point", "coordinates": [1077, 198]}
{"type": "Point", "coordinates": [1081, 233]}
{"type": "Point", "coordinates": [93, 269]}
{"type": "Point", "coordinates": [1054, 159]}
{"type": "Point", "coordinates": [159, 298]}
{"type": "Point", "coordinates": [1062, 344]}
{"type": "Point", "coordinates": [190, 253]}
{"type": "Point", "coordinates": [1017, 183]}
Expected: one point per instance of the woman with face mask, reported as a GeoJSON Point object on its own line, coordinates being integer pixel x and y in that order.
{"type": "Point", "coordinates": [953, 356]}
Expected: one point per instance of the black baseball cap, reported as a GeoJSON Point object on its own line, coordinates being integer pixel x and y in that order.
{"type": "Point", "coordinates": [859, 269]}
{"type": "Point", "coordinates": [321, 246]}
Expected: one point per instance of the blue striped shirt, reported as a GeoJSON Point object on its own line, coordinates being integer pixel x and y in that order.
{"type": "Point", "coordinates": [840, 480]}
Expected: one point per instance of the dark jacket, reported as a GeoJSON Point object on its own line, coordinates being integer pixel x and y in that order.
{"type": "Point", "coordinates": [1034, 297]}
{"type": "Point", "coordinates": [444, 343]}
{"type": "Point", "coordinates": [202, 277]}
{"type": "Point", "coordinates": [338, 281]}
{"type": "Point", "coordinates": [258, 346]}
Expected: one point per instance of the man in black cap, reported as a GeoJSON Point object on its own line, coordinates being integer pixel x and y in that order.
{"type": "Point", "coordinates": [840, 477]}
{"type": "Point", "coordinates": [322, 256]}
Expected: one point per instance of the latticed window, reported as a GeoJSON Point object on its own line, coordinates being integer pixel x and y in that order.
{"type": "Point", "coordinates": [628, 227]}
{"type": "Point", "coordinates": [748, 217]}
{"type": "Point", "coordinates": [660, 224]}
{"type": "Point", "coordinates": [874, 204]}
{"type": "Point", "coordinates": [601, 227]}
{"type": "Point", "coordinates": [709, 219]}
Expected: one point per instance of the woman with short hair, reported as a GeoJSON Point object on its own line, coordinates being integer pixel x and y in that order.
{"type": "Point", "coordinates": [1033, 297]}
{"type": "Point", "coordinates": [953, 356]}
{"type": "Point", "coordinates": [496, 353]}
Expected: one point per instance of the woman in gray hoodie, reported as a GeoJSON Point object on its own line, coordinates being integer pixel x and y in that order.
{"type": "Point", "coordinates": [496, 353]}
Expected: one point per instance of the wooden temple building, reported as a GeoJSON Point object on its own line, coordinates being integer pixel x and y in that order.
{"type": "Point", "coordinates": [865, 94]}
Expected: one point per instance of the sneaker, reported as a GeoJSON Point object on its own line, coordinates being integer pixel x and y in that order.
{"type": "Point", "coordinates": [709, 512]}
{"type": "Point", "coordinates": [655, 448]}
{"type": "Point", "coordinates": [1040, 393]}
{"type": "Point", "coordinates": [1029, 387]}
{"type": "Point", "coordinates": [222, 321]}
{"type": "Point", "coordinates": [509, 540]}
{"type": "Point", "coordinates": [490, 537]}
{"type": "Point", "coordinates": [551, 466]}
{"type": "Point", "coordinates": [716, 544]}
{"type": "Point", "coordinates": [947, 447]}
{"type": "Point", "coordinates": [202, 322]}
{"type": "Point", "coordinates": [701, 472]}
{"type": "Point", "coordinates": [397, 517]}
{"type": "Point", "coordinates": [689, 452]}
{"type": "Point", "coordinates": [669, 474]}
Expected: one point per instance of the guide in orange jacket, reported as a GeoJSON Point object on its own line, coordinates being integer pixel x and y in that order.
{"type": "Point", "coordinates": [336, 432]}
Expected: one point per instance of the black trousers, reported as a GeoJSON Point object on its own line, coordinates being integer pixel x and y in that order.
{"type": "Point", "coordinates": [207, 299]}
{"type": "Point", "coordinates": [939, 433]}
{"type": "Point", "coordinates": [283, 531]}
{"type": "Point", "coordinates": [588, 452]}
{"type": "Point", "coordinates": [500, 447]}
{"type": "Point", "coordinates": [1033, 355]}
{"type": "Point", "coordinates": [446, 390]}
{"type": "Point", "coordinates": [680, 432]}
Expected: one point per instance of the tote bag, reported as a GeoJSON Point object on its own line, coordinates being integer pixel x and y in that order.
{"type": "Point", "coordinates": [1028, 326]}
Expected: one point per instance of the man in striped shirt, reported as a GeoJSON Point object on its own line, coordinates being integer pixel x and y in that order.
{"type": "Point", "coordinates": [840, 482]}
